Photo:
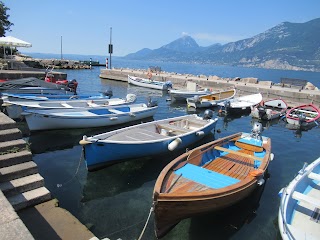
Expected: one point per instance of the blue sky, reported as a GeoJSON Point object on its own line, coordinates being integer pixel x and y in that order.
{"type": "Point", "coordinates": [136, 24]}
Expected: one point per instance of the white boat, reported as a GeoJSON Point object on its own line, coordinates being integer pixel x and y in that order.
{"type": "Point", "coordinates": [182, 95]}
{"type": "Point", "coordinates": [146, 139]}
{"type": "Point", "coordinates": [148, 83]}
{"type": "Point", "coordinates": [299, 213]}
{"type": "Point", "coordinates": [45, 119]}
{"type": "Point", "coordinates": [210, 100]}
{"type": "Point", "coordinates": [15, 108]}
{"type": "Point", "coordinates": [270, 109]}
{"type": "Point", "coordinates": [241, 105]}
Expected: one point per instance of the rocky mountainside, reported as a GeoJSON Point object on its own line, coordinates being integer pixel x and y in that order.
{"type": "Point", "coordinates": [294, 46]}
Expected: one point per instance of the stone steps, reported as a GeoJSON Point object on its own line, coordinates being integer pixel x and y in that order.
{"type": "Point", "coordinates": [20, 181]}
{"type": "Point", "coordinates": [12, 146]}
{"type": "Point", "coordinates": [18, 171]}
{"type": "Point", "coordinates": [10, 159]}
{"type": "Point", "coordinates": [30, 198]}
{"type": "Point", "coordinates": [20, 185]}
{"type": "Point", "coordinates": [10, 134]}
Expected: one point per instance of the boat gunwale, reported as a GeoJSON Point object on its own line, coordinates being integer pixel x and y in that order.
{"type": "Point", "coordinates": [210, 193]}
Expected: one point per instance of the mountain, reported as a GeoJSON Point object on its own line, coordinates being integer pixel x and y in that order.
{"type": "Point", "coordinates": [294, 46]}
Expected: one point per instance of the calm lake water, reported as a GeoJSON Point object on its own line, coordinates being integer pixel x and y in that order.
{"type": "Point", "coordinates": [115, 202]}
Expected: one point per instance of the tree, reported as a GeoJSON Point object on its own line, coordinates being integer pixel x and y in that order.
{"type": "Point", "coordinates": [5, 24]}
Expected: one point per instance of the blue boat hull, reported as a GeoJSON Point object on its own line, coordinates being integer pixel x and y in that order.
{"type": "Point", "coordinates": [100, 154]}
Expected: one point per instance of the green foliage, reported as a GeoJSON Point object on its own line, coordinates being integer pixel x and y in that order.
{"type": "Point", "coordinates": [5, 24]}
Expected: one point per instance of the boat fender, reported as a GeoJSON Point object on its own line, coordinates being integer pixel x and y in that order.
{"type": "Point", "coordinates": [174, 144]}
{"type": "Point", "coordinates": [261, 182]}
{"type": "Point", "coordinates": [200, 133]}
{"type": "Point", "coordinates": [256, 173]}
{"type": "Point", "coordinates": [271, 156]}
{"type": "Point", "coordinates": [84, 140]}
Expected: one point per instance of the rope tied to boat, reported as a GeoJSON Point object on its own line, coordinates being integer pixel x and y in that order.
{"type": "Point", "coordinates": [75, 174]}
{"type": "Point", "coordinates": [145, 225]}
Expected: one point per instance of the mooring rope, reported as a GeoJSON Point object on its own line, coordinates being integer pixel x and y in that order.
{"type": "Point", "coordinates": [75, 174]}
{"type": "Point", "coordinates": [145, 225]}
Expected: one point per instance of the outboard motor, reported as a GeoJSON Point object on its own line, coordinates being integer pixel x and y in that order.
{"type": "Point", "coordinates": [72, 85]}
{"type": "Point", "coordinates": [227, 105]}
{"type": "Point", "coordinates": [108, 93]}
{"type": "Point", "coordinates": [256, 131]}
{"type": "Point", "coordinates": [302, 120]}
{"type": "Point", "coordinates": [168, 84]}
{"type": "Point", "coordinates": [208, 114]}
{"type": "Point", "coordinates": [262, 111]}
{"type": "Point", "coordinates": [131, 97]}
{"type": "Point", "coordinates": [151, 103]}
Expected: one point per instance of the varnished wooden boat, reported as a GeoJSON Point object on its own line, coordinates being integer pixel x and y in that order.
{"type": "Point", "coordinates": [210, 177]}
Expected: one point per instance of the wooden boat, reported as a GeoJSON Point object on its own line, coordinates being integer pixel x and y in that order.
{"type": "Point", "coordinates": [241, 105]}
{"type": "Point", "coordinates": [210, 177]}
{"type": "Point", "coordinates": [15, 108]}
{"type": "Point", "coordinates": [298, 216]}
{"type": "Point", "coordinates": [270, 109]}
{"type": "Point", "coordinates": [146, 139]}
{"type": "Point", "coordinates": [148, 83]}
{"type": "Point", "coordinates": [45, 119]}
{"type": "Point", "coordinates": [210, 100]}
{"type": "Point", "coordinates": [305, 116]}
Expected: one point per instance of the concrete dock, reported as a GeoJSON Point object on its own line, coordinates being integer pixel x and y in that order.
{"type": "Point", "coordinates": [27, 208]}
{"type": "Point", "coordinates": [292, 94]}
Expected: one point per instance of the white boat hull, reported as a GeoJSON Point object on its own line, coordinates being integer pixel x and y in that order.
{"type": "Point", "coordinates": [142, 82]}
{"type": "Point", "coordinates": [298, 215]}
{"type": "Point", "coordinates": [45, 120]}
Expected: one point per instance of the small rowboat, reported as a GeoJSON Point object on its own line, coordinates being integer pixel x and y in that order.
{"type": "Point", "coordinates": [210, 177]}
{"type": "Point", "coordinates": [241, 105]}
{"type": "Point", "coordinates": [146, 139]}
{"type": "Point", "coordinates": [45, 119]}
{"type": "Point", "coordinates": [15, 108]}
{"type": "Point", "coordinates": [210, 100]}
{"type": "Point", "coordinates": [148, 83]}
{"type": "Point", "coordinates": [305, 116]}
{"type": "Point", "coordinates": [298, 216]}
{"type": "Point", "coordinates": [271, 109]}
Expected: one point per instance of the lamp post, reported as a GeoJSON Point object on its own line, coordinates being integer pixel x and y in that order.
{"type": "Point", "coordinates": [110, 45]}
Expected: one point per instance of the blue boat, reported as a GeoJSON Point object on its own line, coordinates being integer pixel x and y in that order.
{"type": "Point", "coordinates": [45, 97]}
{"type": "Point", "coordinates": [146, 139]}
{"type": "Point", "coordinates": [299, 212]}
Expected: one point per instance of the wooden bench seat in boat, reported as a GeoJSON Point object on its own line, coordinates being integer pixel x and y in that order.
{"type": "Point", "coordinates": [174, 128]}
{"type": "Point", "coordinates": [314, 176]}
{"type": "Point", "coordinates": [304, 198]}
{"type": "Point", "coordinates": [206, 177]}
{"type": "Point", "coordinates": [136, 134]}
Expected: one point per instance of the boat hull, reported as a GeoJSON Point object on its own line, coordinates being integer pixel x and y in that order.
{"type": "Point", "coordinates": [141, 82]}
{"type": "Point", "coordinates": [102, 153]}
{"type": "Point", "coordinates": [41, 121]}
{"type": "Point", "coordinates": [209, 178]}
{"type": "Point", "coordinates": [304, 116]}
{"type": "Point", "coordinates": [182, 209]}
{"type": "Point", "coordinates": [297, 216]}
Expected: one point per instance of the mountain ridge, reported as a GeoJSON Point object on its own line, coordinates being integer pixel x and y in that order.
{"type": "Point", "coordinates": [291, 46]}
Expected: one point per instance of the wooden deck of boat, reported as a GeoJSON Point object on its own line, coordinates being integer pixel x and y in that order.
{"type": "Point", "coordinates": [231, 164]}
